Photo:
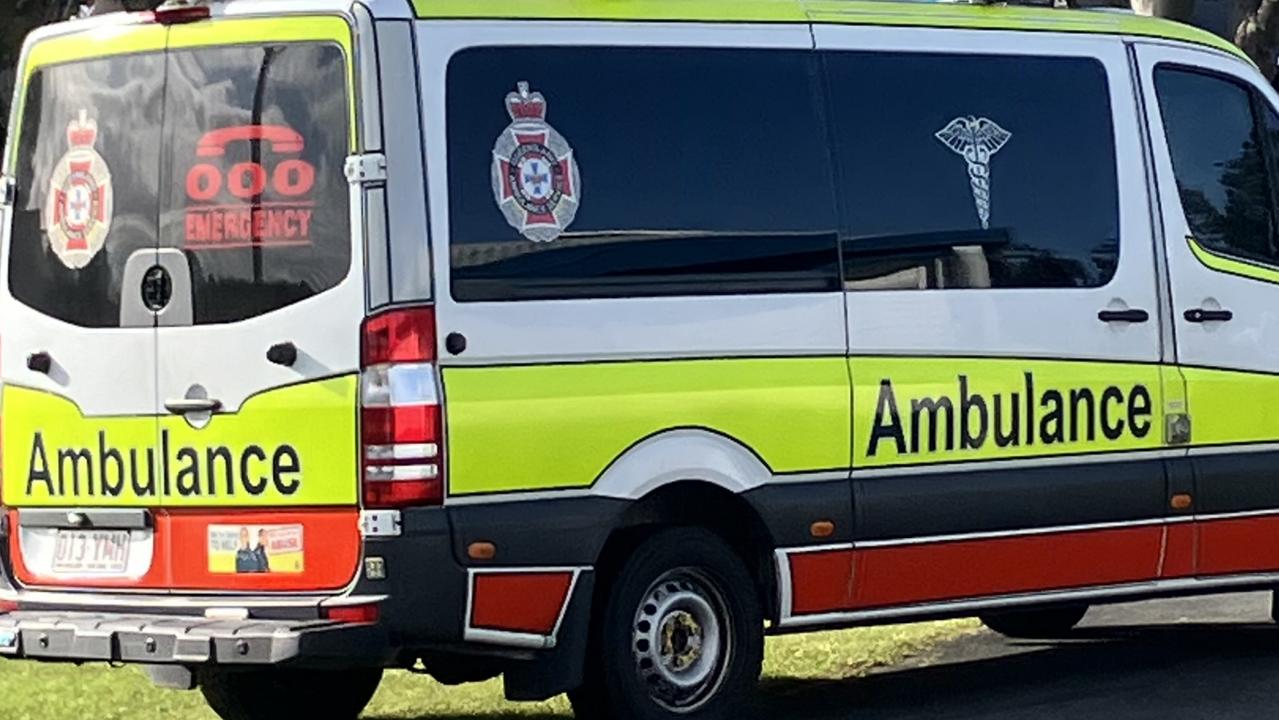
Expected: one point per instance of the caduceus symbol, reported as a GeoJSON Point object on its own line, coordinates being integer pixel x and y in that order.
{"type": "Point", "coordinates": [976, 139]}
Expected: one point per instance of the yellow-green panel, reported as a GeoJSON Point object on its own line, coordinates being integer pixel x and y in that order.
{"type": "Point", "coordinates": [529, 428]}
{"type": "Point", "coordinates": [293, 446]}
{"type": "Point", "coordinates": [1003, 17]}
{"type": "Point", "coordinates": [100, 42]}
{"type": "Point", "coordinates": [1232, 407]}
{"type": "Point", "coordinates": [909, 411]}
{"type": "Point", "coordinates": [851, 12]}
{"type": "Point", "coordinates": [1232, 266]}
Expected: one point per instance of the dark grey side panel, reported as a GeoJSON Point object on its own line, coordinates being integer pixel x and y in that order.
{"type": "Point", "coordinates": [568, 531]}
{"type": "Point", "coordinates": [788, 510]}
{"type": "Point", "coordinates": [1019, 497]}
{"type": "Point", "coordinates": [1236, 482]}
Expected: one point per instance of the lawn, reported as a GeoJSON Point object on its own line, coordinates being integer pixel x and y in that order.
{"type": "Point", "coordinates": [32, 691]}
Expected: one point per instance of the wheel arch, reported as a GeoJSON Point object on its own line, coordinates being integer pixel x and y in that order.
{"type": "Point", "coordinates": [694, 503]}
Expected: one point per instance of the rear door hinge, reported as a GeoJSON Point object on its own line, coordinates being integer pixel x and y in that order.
{"type": "Point", "coordinates": [381, 523]}
{"type": "Point", "coordinates": [8, 191]}
{"type": "Point", "coordinates": [366, 169]}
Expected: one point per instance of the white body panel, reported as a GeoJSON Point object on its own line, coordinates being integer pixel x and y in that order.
{"type": "Point", "coordinates": [104, 371]}
{"type": "Point", "coordinates": [1047, 322]}
{"type": "Point", "coordinates": [229, 360]}
{"type": "Point", "coordinates": [1249, 341]}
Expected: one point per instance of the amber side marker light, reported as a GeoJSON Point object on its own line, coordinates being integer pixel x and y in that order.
{"type": "Point", "coordinates": [1180, 501]}
{"type": "Point", "coordinates": [481, 551]}
{"type": "Point", "coordinates": [822, 529]}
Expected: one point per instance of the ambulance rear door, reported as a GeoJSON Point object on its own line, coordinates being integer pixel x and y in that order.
{"type": "Point", "coordinates": [77, 335]}
{"type": "Point", "coordinates": [258, 346]}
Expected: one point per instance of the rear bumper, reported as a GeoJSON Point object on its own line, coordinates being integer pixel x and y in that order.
{"type": "Point", "coordinates": [187, 640]}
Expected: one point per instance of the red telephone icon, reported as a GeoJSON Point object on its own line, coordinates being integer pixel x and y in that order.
{"type": "Point", "coordinates": [246, 180]}
{"type": "Point", "coordinates": [282, 139]}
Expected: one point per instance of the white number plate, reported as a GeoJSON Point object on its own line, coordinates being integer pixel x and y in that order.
{"type": "Point", "coordinates": [91, 552]}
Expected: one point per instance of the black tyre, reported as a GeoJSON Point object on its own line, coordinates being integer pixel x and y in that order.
{"type": "Point", "coordinates": [680, 635]}
{"type": "Point", "coordinates": [1036, 624]}
{"type": "Point", "coordinates": [271, 694]}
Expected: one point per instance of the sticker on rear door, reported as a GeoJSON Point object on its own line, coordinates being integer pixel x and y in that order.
{"type": "Point", "coordinates": [79, 204]}
{"type": "Point", "coordinates": [976, 140]}
{"type": "Point", "coordinates": [241, 549]}
{"type": "Point", "coordinates": [535, 178]}
{"type": "Point", "coordinates": [249, 200]}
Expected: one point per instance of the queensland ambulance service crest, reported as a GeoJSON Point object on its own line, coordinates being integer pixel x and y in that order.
{"type": "Point", "coordinates": [535, 179]}
{"type": "Point", "coordinates": [79, 204]}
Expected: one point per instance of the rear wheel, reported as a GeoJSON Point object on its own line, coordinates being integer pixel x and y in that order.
{"type": "Point", "coordinates": [681, 634]}
{"type": "Point", "coordinates": [271, 694]}
{"type": "Point", "coordinates": [1038, 623]}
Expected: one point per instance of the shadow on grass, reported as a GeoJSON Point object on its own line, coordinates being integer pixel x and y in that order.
{"type": "Point", "coordinates": [1163, 672]}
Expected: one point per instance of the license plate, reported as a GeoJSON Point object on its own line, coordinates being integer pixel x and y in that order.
{"type": "Point", "coordinates": [91, 552]}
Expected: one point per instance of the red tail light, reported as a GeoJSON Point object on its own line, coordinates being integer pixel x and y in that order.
{"type": "Point", "coordinates": [176, 13]}
{"type": "Point", "coordinates": [353, 613]}
{"type": "Point", "coordinates": [402, 422]}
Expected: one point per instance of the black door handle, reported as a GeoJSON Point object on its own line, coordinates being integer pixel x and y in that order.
{"type": "Point", "coordinates": [284, 353]}
{"type": "Point", "coordinates": [1133, 316]}
{"type": "Point", "coordinates": [41, 362]}
{"type": "Point", "coordinates": [1199, 315]}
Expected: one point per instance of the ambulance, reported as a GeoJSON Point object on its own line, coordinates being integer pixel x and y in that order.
{"type": "Point", "coordinates": [588, 342]}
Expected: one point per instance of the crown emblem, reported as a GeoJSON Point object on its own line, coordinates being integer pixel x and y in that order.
{"type": "Point", "coordinates": [524, 105]}
{"type": "Point", "coordinates": [82, 132]}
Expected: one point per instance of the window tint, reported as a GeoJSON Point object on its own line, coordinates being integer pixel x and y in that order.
{"type": "Point", "coordinates": [1219, 162]}
{"type": "Point", "coordinates": [963, 171]}
{"type": "Point", "coordinates": [622, 172]}
{"type": "Point", "coordinates": [88, 164]}
{"type": "Point", "coordinates": [254, 190]}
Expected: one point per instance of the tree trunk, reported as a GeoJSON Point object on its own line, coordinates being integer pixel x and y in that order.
{"type": "Point", "coordinates": [1258, 33]}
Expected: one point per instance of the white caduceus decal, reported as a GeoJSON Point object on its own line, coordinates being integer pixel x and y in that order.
{"type": "Point", "coordinates": [976, 139]}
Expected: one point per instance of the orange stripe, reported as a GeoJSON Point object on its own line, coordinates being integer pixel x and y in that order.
{"type": "Point", "coordinates": [941, 571]}
{"type": "Point", "coordinates": [1239, 545]}
{"type": "Point", "coordinates": [331, 545]}
{"type": "Point", "coordinates": [821, 581]}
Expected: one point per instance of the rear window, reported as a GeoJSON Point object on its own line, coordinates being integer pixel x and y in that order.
{"type": "Point", "coordinates": [605, 172]}
{"type": "Point", "coordinates": [88, 176]}
{"type": "Point", "coordinates": [233, 155]}
{"type": "Point", "coordinates": [253, 183]}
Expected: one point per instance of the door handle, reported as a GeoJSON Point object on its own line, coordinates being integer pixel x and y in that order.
{"type": "Point", "coordinates": [187, 405]}
{"type": "Point", "coordinates": [1133, 315]}
{"type": "Point", "coordinates": [41, 362]}
{"type": "Point", "coordinates": [1199, 315]}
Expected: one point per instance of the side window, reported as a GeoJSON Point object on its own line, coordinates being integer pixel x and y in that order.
{"type": "Point", "coordinates": [1219, 160]}
{"type": "Point", "coordinates": [254, 192]}
{"type": "Point", "coordinates": [605, 172]}
{"type": "Point", "coordinates": [88, 165]}
{"type": "Point", "coordinates": [971, 171]}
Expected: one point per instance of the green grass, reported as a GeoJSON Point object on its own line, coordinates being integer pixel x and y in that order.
{"type": "Point", "coordinates": [33, 691]}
